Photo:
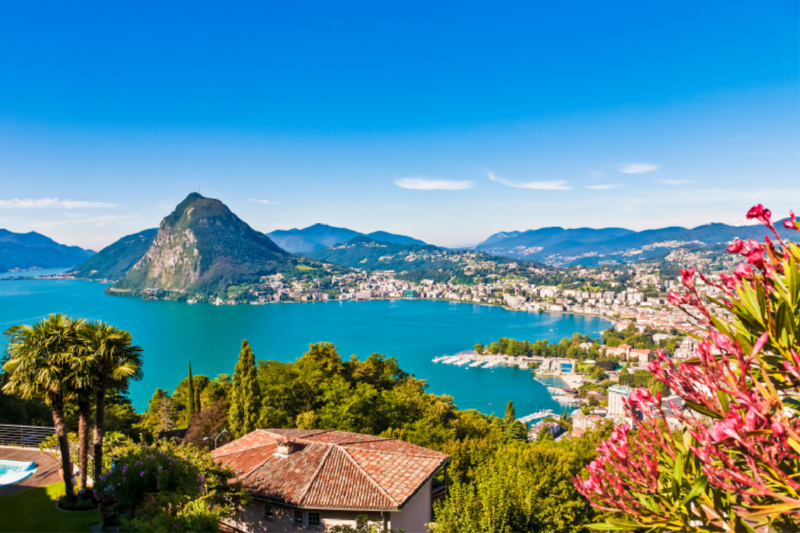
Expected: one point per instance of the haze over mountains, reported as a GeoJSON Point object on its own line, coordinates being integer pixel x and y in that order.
{"type": "Point", "coordinates": [34, 250]}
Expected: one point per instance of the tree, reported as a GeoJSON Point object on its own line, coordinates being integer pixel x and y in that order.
{"type": "Point", "coordinates": [734, 466]}
{"type": "Point", "coordinates": [190, 397]}
{"type": "Point", "coordinates": [117, 362]}
{"type": "Point", "coordinates": [479, 348]}
{"type": "Point", "coordinates": [245, 402]}
{"type": "Point", "coordinates": [208, 423]}
{"type": "Point", "coordinates": [41, 366]}
{"type": "Point", "coordinates": [511, 413]}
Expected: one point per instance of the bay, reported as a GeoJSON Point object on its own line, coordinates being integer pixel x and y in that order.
{"type": "Point", "coordinates": [413, 331]}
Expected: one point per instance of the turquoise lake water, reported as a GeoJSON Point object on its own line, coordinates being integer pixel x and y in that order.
{"type": "Point", "coordinates": [413, 331]}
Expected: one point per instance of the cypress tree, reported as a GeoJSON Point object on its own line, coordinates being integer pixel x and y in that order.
{"type": "Point", "coordinates": [245, 401]}
{"type": "Point", "coordinates": [511, 413]}
{"type": "Point", "coordinates": [190, 397]}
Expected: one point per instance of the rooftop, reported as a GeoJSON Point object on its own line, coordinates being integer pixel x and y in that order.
{"type": "Point", "coordinates": [330, 469]}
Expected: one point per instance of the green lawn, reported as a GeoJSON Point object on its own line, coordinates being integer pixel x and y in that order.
{"type": "Point", "coordinates": [35, 510]}
{"type": "Point", "coordinates": [584, 367]}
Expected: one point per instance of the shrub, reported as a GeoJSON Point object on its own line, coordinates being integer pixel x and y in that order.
{"type": "Point", "coordinates": [148, 482]}
{"type": "Point", "coordinates": [735, 463]}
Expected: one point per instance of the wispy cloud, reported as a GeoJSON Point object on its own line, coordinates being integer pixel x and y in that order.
{"type": "Point", "coordinates": [603, 187]}
{"type": "Point", "coordinates": [596, 173]}
{"type": "Point", "coordinates": [556, 185]}
{"type": "Point", "coordinates": [638, 168]}
{"type": "Point", "coordinates": [264, 201]}
{"type": "Point", "coordinates": [425, 184]}
{"type": "Point", "coordinates": [41, 203]}
{"type": "Point", "coordinates": [675, 182]}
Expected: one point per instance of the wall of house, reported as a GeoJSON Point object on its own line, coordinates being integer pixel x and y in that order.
{"type": "Point", "coordinates": [416, 514]}
{"type": "Point", "coordinates": [251, 519]}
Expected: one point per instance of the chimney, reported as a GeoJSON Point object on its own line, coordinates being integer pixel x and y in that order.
{"type": "Point", "coordinates": [285, 447]}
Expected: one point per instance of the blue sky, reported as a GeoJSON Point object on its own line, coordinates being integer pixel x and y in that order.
{"type": "Point", "coordinates": [447, 122]}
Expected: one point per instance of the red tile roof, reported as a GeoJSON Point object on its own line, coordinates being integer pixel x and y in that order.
{"type": "Point", "coordinates": [330, 469]}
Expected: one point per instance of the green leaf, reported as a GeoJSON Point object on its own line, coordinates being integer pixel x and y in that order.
{"type": "Point", "coordinates": [702, 410]}
{"type": "Point", "coordinates": [699, 486]}
{"type": "Point", "coordinates": [615, 524]}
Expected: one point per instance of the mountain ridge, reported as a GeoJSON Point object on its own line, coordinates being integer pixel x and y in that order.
{"type": "Point", "coordinates": [34, 250]}
{"type": "Point", "coordinates": [319, 236]}
{"type": "Point", "coordinates": [559, 246]}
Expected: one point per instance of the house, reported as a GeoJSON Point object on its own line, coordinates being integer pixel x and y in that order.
{"type": "Point", "coordinates": [313, 480]}
{"type": "Point", "coordinates": [616, 393]}
{"type": "Point", "coordinates": [643, 356]}
{"type": "Point", "coordinates": [554, 429]}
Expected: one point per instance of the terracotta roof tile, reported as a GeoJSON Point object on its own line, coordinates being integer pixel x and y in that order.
{"type": "Point", "coordinates": [331, 469]}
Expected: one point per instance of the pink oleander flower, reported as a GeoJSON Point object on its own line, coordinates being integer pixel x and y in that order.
{"type": "Point", "coordinates": [760, 213]}
{"type": "Point", "coordinates": [736, 247]}
{"type": "Point", "coordinates": [688, 274]}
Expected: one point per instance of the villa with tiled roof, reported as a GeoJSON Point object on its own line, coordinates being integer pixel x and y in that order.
{"type": "Point", "coordinates": [315, 479]}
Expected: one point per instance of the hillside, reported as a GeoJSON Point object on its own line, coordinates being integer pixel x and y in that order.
{"type": "Point", "coordinates": [426, 261]}
{"type": "Point", "coordinates": [34, 250]}
{"type": "Point", "coordinates": [558, 246]}
{"type": "Point", "coordinates": [202, 248]}
{"type": "Point", "coordinates": [321, 236]}
{"type": "Point", "coordinates": [114, 261]}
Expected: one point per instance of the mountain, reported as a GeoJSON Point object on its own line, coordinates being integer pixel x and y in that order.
{"type": "Point", "coordinates": [311, 238]}
{"type": "Point", "coordinates": [396, 239]}
{"type": "Point", "coordinates": [369, 254]}
{"type": "Point", "coordinates": [34, 250]}
{"type": "Point", "coordinates": [203, 248]}
{"type": "Point", "coordinates": [114, 261]}
{"type": "Point", "coordinates": [559, 246]}
{"type": "Point", "coordinates": [321, 236]}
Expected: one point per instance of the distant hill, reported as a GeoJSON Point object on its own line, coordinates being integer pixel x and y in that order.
{"type": "Point", "coordinates": [203, 248]}
{"type": "Point", "coordinates": [114, 261]}
{"type": "Point", "coordinates": [321, 236]}
{"type": "Point", "coordinates": [559, 246]}
{"type": "Point", "coordinates": [369, 254]}
{"type": "Point", "coordinates": [34, 250]}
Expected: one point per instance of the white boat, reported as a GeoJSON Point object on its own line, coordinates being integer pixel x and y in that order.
{"type": "Point", "coordinates": [476, 363]}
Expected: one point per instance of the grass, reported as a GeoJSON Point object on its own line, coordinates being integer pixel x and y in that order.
{"type": "Point", "coordinates": [303, 268]}
{"type": "Point", "coordinates": [584, 367]}
{"type": "Point", "coordinates": [35, 510]}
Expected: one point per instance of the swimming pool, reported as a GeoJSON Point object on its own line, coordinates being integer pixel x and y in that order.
{"type": "Point", "coordinates": [15, 471]}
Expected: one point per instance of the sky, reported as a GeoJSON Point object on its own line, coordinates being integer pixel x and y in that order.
{"type": "Point", "coordinates": [446, 121]}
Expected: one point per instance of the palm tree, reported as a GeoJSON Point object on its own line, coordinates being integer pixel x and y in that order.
{"type": "Point", "coordinates": [117, 362]}
{"type": "Point", "coordinates": [41, 365]}
{"type": "Point", "coordinates": [82, 383]}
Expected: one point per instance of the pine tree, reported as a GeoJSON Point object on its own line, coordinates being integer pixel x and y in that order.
{"type": "Point", "coordinates": [190, 398]}
{"type": "Point", "coordinates": [197, 403]}
{"type": "Point", "coordinates": [245, 394]}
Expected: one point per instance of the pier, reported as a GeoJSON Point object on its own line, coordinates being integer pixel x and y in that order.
{"type": "Point", "coordinates": [535, 416]}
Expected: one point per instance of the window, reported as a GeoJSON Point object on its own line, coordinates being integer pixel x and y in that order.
{"type": "Point", "coordinates": [313, 519]}
{"type": "Point", "coordinates": [298, 518]}
{"type": "Point", "coordinates": [266, 511]}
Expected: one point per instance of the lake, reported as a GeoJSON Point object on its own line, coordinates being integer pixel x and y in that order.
{"type": "Point", "coordinates": [413, 331]}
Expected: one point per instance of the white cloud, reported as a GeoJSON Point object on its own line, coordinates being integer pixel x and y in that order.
{"type": "Point", "coordinates": [603, 187]}
{"type": "Point", "coordinates": [424, 184]}
{"type": "Point", "coordinates": [556, 185]}
{"type": "Point", "coordinates": [675, 182]}
{"type": "Point", "coordinates": [40, 203]}
{"type": "Point", "coordinates": [265, 201]}
{"type": "Point", "coordinates": [638, 168]}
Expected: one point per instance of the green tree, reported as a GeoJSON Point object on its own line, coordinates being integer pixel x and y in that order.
{"type": "Point", "coordinates": [511, 413]}
{"type": "Point", "coordinates": [190, 397]}
{"type": "Point", "coordinates": [41, 366]}
{"type": "Point", "coordinates": [479, 348]}
{"type": "Point", "coordinates": [117, 363]}
{"type": "Point", "coordinates": [245, 404]}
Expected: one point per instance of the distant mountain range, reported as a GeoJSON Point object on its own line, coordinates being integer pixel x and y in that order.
{"type": "Point", "coordinates": [33, 250]}
{"type": "Point", "coordinates": [200, 248]}
{"type": "Point", "coordinates": [321, 236]}
{"type": "Point", "coordinates": [586, 246]}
